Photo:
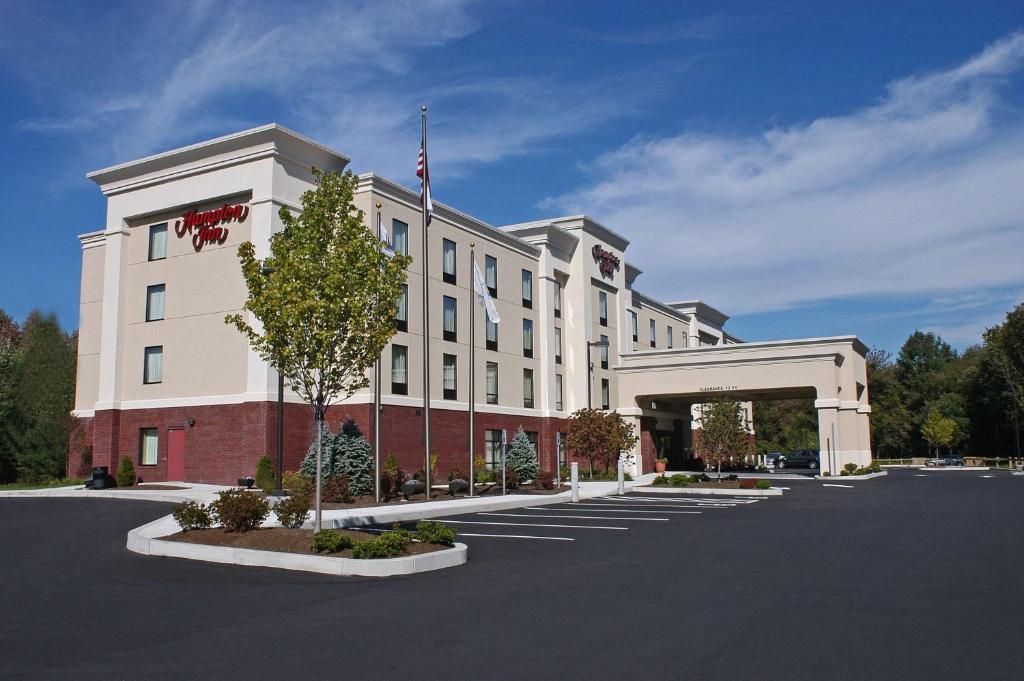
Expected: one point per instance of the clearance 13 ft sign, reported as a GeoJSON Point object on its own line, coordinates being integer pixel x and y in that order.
{"type": "Point", "coordinates": [209, 226]}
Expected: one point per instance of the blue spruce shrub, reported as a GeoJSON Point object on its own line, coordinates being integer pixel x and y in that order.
{"type": "Point", "coordinates": [522, 457]}
{"type": "Point", "coordinates": [345, 453]}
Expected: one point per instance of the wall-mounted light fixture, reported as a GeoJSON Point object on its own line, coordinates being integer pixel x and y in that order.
{"type": "Point", "coordinates": [191, 421]}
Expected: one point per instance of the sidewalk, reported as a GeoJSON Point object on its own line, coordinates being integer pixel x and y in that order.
{"type": "Point", "coordinates": [191, 492]}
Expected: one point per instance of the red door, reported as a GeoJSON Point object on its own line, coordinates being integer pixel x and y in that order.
{"type": "Point", "coordinates": [176, 454]}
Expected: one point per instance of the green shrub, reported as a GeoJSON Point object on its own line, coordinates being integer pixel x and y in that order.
{"type": "Point", "coordinates": [192, 516]}
{"type": "Point", "coordinates": [240, 511]}
{"type": "Point", "coordinates": [385, 545]}
{"type": "Point", "coordinates": [565, 473]}
{"type": "Point", "coordinates": [699, 477]}
{"type": "Point", "coordinates": [679, 480]}
{"type": "Point", "coordinates": [660, 480]}
{"type": "Point", "coordinates": [330, 541]}
{"type": "Point", "coordinates": [345, 453]}
{"type": "Point", "coordinates": [433, 532]}
{"type": "Point", "coordinates": [545, 480]}
{"type": "Point", "coordinates": [292, 511]}
{"type": "Point", "coordinates": [849, 468]}
{"type": "Point", "coordinates": [763, 484]}
{"type": "Point", "coordinates": [125, 472]}
{"type": "Point", "coordinates": [391, 478]}
{"type": "Point", "coordinates": [826, 474]}
{"type": "Point", "coordinates": [297, 484]}
{"type": "Point", "coordinates": [862, 471]}
{"type": "Point", "coordinates": [265, 474]}
{"type": "Point", "coordinates": [875, 467]}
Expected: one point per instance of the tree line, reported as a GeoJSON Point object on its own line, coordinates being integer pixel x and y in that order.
{"type": "Point", "coordinates": [37, 386]}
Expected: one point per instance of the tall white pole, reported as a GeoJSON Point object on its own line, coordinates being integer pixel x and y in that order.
{"type": "Point", "coordinates": [376, 407]}
{"type": "Point", "coordinates": [472, 359]}
{"type": "Point", "coordinates": [426, 306]}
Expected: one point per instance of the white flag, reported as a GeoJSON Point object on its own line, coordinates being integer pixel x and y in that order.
{"type": "Point", "coordinates": [383, 235]}
{"type": "Point", "coordinates": [484, 296]}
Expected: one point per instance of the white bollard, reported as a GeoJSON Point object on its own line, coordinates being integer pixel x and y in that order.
{"type": "Point", "coordinates": [622, 478]}
{"type": "Point", "coordinates": [574, 476]}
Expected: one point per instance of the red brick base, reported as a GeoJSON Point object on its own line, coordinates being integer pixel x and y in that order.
{"type": "Point", "coordinates": [227, 440]}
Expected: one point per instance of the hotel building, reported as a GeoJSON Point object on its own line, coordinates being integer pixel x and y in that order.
{"type": "Point", "coordinates": [164, 380]}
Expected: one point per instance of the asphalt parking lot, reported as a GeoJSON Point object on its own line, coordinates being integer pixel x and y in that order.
{"type": "Point", "coordinates": [915, 576]}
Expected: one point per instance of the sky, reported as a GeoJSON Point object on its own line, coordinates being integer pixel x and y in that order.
{"type": "Point", "coordinates": [808, 168]}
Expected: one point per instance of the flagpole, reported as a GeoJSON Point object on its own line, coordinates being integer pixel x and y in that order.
{"type": "Point", "coordinates": [376, 406]}
{"type": "Point", "coordinates": [426, 304]}
{"type": "Point", "coordinates": [472, 360]}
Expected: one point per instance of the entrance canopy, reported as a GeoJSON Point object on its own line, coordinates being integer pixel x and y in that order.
{"type": "Point", "coordinates": [832, 371]}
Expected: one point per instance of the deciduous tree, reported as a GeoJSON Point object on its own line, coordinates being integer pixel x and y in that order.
{"type": "Point", "coordinates": [723, 434]}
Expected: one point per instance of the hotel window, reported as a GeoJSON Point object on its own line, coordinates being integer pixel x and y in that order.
{"type": "Point", "coordinates": [632, 325]}
{"type": "Point", "coordinates": [654, 333]}
{"type": "Point", "coordinates": [450, 319]}
{"type": "Point", "coordinates": [558, 392]}
{"type": "Point", "coordinates": [158, 242]}
{"type": "Point", "coordinates": [153, 364]}
{"type": "Point", "coordinates": [402, 309]}
{"type": "Point", "coordinates": [527, 338]}
{"type": "Point", "coordinates": [400, 237]}
{"type": "Point", "coordinates": [527, 289]}
{"type": "Point", "coordinates": [148, 446]}
{"type": "Point", "coordinates": [449, 261]}
{"type": "Point", "coordinates": [155, 302]}
{"type": "Point", "coordinates": [605, 393]}
{"type": "Point", "coordinates": [448, 376]}
{"type": "Point", "coordinates": [491, 275]}
{"type": "Point", "coordinates": [685, 341]}
{"type": "Point", "coordinates": [399, 370]}
{"type": "Point", "coordinates": [668, 335]}
{"type": "Point", "coordinates": [528, 388]}
{"type": "Point", "coordinates": [492, 335]}
{"type": "Point", "coordinates": [604, 352]}
{"type": "Point", "coordinates": [558, 345]}
{"type": "Point", "coordinates": [602, 307]}
{"type": "Point", "coordinates": [558, 300]}
{"type": "Point", "coordinates": [492, 383]}
{"type": "Point", "coordinates": [492, 449]}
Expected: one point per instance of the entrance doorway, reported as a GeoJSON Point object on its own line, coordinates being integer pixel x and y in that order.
{"type": "Point", "coordinates": [176, 454]}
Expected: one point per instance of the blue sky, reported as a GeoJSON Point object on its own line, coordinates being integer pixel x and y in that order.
{"type": "Point", "coordinates": [809, 168]}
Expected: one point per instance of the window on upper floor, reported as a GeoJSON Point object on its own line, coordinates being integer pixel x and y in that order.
{"type": "Point", "coordinates": [604, 351]}
{"type": "Point", "coordinates": [449, 376]}
{"type": "Point", "coordinates": [400, 237]}
{"type": "Point", "coordinates": [448, 261]}
{"type": "Point", "coordinates": [402, 309]}
{"type": "Point", "coordinates": [528, 388]}
{"type": "Point", "coordinates": [153, 364]}
{"type": "Point", "coordinates": [558, 345]}
{"type": "Point", "coordinates": [155, 302]}
{"type": "Point", "coordinates": [633, 326]}
{"type": "Point", "coordinates": [527, 338]}
{"type": "Point", "coordinates": [491, 275]}
{"type": "Point", "coordinates": [668, 335]}
{"type": "Point", "coordinates": [158, 241]}
{"type": "Point", "coordinates": [605, 393]}
{"type": "Point", "coordinates": [450, 319]}
{"type": "Point", "coordinates": [527, 289]}
{"type": "Point", "coordinates": [492, 334]}
{"type": "Point", "coordinates": [492, 383]}
{"type": "Point", "coordinates": [558, 299]}
{"type": "Point", "coordinates": [399, 370]}
{"type": "Point", "coordinates": [558, 392]}
{"type": "Point", "coordinates": [654, 334]}
{"type": "Point", "coordinates": [602, 307]}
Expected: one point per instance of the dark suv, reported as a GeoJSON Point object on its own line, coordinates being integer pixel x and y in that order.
{"type": "Point", "coordinates": [807, 458]}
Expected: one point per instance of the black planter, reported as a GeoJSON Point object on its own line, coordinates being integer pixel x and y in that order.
{"type": "Point", "coordinates": [458, 486]}
{"type": "Point", "coordinates": [412, 487]}
{"type": "Point", "coordinates": [246, 482]}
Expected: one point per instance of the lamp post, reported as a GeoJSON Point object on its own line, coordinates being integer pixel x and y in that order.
{"type": "Point", "coordinates": [590, 366]}
{"type": "Point", "coordinates": [279, 473]}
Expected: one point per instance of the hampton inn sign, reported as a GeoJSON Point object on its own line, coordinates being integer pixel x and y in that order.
{"type": "Point", "coordinates": [206, 227]}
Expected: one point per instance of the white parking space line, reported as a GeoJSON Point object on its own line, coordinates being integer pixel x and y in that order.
{"type": "Point", "coordinates": [826, 484]}
{"type": "Point", "coordinates": [684, 500]}
{"type": "Point", "coordinates": [986, 476]}
{"type": "Point", "coordinates": [566, 517]}
{"type": "Point", "coordinates": [920, 475]}
{"type": "Point", "coordinates": [542, 509]}
{"type": "Point", "coordinates": [571, 527]}
{"type": "Point", "coordinates": [515, 536]}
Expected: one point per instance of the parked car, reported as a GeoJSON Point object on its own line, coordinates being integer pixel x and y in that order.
{"type": "Point", "coordinates": [803, 458]}
{"type": "Point", "coordinates": [948, 460]}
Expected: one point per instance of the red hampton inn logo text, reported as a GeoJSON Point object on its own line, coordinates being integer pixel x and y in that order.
{"type": "Point", "coordinates": [607, 261]}
{"type": "Point", "coordinates": [207, 227]}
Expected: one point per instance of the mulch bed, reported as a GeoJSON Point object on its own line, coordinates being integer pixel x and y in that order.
{"type": "Point", "coordinates": [725, 484]}
{"type": "Point", "coordinates": [282, 539]}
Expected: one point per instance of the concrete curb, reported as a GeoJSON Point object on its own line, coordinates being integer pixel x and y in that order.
{"type": "Point", "coordinates": [866, 476]}
{"type": "Point", "coordinates": [935, 469]}
{"type": "Point", "coordinates": [194, 492]}
{"type": "Point", "coordinates": [147, 541]}
{"type": "Point", "coordinates": [704, 491]}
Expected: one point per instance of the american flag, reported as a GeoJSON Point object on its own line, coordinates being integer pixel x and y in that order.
{"type": "Point", "coordinates": [423, 172]}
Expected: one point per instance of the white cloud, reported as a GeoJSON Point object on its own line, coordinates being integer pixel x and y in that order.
{"type": "Point", "coordinates": [916, 194]}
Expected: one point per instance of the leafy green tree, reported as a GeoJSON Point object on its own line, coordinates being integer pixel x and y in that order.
{"type": "Point", "coordinates": [621, 438]}
{"type": "Point", "coordinates": [1007, 343]}
{"type": "Point", "coordinates": [988, 409]}
{"type": "Point", "coordinates": [926, 369]}
{"type": "Point", "coordinates": [321, 306]}
{"type": "Point", "coordinates": [522, 456]}
{"type": "Point", "coordinates": [938, 430]}
{"type": "Point", "coordinates": [10, 371]}
{"type": "Point", "coordinates": [586, 437]}
{"type": "Point", "coordinates": [39, 423]}
{"type": "Point", "coordinates": [785, 425]}
{"type": "Point", "coordinates": [891, 423]}
{"type": "Point", "coordinates": [723, 433]}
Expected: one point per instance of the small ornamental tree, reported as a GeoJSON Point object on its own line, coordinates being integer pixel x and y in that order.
{"type": "Point", "coordinates": [723, 433]}
{"type": "Point", "coordinates": [347, 453]}
{"type": "Point", "coordinates": [321, 306]}
{"type": "Point", "coordinates": [586, 437]}
{"type": "Point", "coordinates": [938, 430]}
{"type": "Point", "coordinates": [265, 474]}
{"type": "Point", "coordinates": [522, 457]}
{"type": "Point", "coordinates": [621, 438]}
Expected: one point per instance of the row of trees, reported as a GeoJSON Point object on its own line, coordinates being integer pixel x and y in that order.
{"type": "Point", "coordinates": [37, 386]}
